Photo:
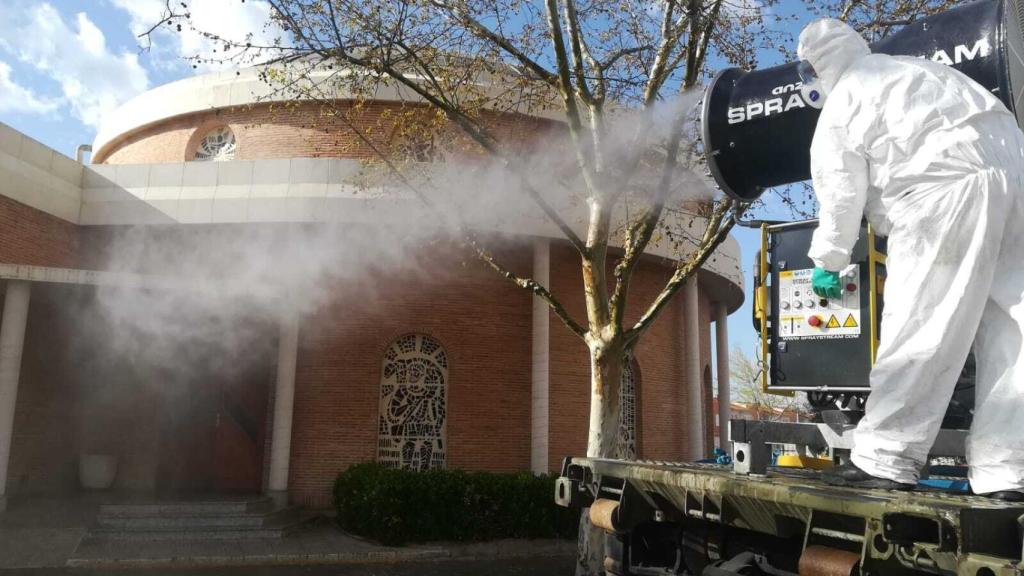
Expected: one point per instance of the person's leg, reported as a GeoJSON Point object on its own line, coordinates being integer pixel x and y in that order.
{"type": "Point", "coordinates": [995, 448]}
{"type": "Point", "coordinates": [942, 256]}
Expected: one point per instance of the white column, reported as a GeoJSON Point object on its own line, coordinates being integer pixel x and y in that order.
{"type": "Point", "coordinates": [722, 368]}
{"type": "Point", "coordinates": [540, 373]}
{"type": "Point", "coordinates": [695, 404]}
{"type": "Point", "coordinates": [12, 342]}
{"type": "Point", "coordinates": [284, 399]}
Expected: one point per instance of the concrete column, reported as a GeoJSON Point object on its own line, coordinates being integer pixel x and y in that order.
{"type": "Point", "coordinates": [284, 399]}
{"type": "Point", "coordinates": [12, 342]}
{"type": "Point", "coordinates": [540, 372]}
{"type": "Point", "coordinates": [722, 368]}
{"type": "Point", "coordinates": [694, 387]}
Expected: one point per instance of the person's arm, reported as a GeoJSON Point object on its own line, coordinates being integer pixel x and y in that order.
{"type": "Point", "coordinates": [839, 171]}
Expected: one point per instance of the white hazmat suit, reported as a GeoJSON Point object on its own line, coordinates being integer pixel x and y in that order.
{"type": "Point", "coordinates": [937, 163]}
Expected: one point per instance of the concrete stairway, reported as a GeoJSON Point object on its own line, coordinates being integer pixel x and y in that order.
{"type": "Point", "coordinates": [229, 518]}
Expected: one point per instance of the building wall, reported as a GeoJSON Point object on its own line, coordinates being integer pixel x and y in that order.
{"type": "Point", "coordinates": [68, 404]}
{"type": "Point", "coordinates": [29, 236]}
{"type": "Point", "coordinates": [482, 321]}
{"type": "Point", "coordinates": [310, 130]}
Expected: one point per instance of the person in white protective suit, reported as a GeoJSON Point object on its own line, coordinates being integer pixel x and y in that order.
{"type": "Point", "coordinates": [935, 162]}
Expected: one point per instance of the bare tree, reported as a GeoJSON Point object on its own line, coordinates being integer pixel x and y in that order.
{"type": "Point", "coordinates": [746, 379]}
{"type": "Point", "coordinates": [458, 60]}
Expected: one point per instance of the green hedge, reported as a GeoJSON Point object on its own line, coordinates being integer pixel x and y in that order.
{"type": "Point", "coordinates": [399, 506]}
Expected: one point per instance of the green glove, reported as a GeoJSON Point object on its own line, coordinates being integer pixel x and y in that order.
{"type": "Point", "coordinates": [826, 284]}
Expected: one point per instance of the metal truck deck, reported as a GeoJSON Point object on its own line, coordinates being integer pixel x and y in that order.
{"type": "Point", "coordinates": [788, 520]}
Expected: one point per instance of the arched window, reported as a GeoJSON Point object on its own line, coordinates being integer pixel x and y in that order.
{"type": "Point", "coordinates": [217, 145]}
{"type": "Point", "coordinates": [413, 404]}
{"type": "Point", "coordinates": [627, 448]}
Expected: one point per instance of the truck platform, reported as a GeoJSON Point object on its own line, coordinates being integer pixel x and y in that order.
{"type": "Point", "coordinates": [705, 519]}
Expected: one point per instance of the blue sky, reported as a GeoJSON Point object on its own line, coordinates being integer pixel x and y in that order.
{"type": "Point", "coordinates": [64, 64]}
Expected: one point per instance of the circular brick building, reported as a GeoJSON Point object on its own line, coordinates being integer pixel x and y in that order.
{"type": "Point", "coordinates": [418, 357]}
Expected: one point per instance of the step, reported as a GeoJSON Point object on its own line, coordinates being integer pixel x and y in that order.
{"type": "Point", "coordinates": [197, 521]}
{"type": "Point", "coordinates": [276, 525]}
{"type": "Point", "coordinates": [187, 508]}
{"type": "Point", "coordinates": [201, 535]}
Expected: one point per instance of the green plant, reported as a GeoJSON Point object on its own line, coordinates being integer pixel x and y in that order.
{"type": "Point", "coordinates": [399, 506]}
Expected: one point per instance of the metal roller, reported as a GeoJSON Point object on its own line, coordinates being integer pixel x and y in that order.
{"type": "Point", "coordinates": [825, 561]}
{"type": "Point", "coordinates": [603, 514]}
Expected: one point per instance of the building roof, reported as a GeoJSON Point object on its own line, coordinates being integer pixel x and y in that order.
{"type": "Point", "coordinates": [246, 86]}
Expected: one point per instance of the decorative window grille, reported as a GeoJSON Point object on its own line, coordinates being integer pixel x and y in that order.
{"type": "Point", "coordinates": [413, 404]}
{"type": "Point", "coordinates": [218, 145]}
{"type": "Point", "coordinates": [628, 411]}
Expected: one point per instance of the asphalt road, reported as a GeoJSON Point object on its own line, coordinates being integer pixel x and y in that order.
{"type": "Point", "coordinates": [509, 567]}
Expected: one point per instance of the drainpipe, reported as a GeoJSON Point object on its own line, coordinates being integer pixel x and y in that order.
{"type": "Point", "coordinates": [80, 153]}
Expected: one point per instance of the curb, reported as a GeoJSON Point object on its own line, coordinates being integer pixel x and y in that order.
{"type": "Point", "coordinates": [469, 552]}
{"type": "Point", "coordinates": [375, 557]}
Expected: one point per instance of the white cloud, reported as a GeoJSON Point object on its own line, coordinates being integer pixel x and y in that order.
{"type": "Point", "coordinates": [17, 99]}
{"type": "Point", "coordinates": [93, 79]}
{"type": "Point", "coordinates": [232, 20]}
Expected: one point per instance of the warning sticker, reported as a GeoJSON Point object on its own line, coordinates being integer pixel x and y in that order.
{"type": "Point", "coordinates": [802, 315]}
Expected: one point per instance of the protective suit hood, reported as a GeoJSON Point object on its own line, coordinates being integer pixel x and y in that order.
{"type": "Point", "coordinates": [831, 47]}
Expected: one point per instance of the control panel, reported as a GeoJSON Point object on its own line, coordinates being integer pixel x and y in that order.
{"type": "Point", "coordinates": [804, 315]}
{"type": "Point", "coordinates": [811, 342]}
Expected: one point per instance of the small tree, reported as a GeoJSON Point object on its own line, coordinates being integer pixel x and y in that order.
{"type": "Point", "coordinates": [746, 380]}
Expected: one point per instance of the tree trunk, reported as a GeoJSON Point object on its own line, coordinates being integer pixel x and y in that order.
{"type": "Point", "coordinates": [606, 361]}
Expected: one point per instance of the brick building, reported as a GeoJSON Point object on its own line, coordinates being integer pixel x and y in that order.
{"type": "Point", "coordinates": [452, 366]}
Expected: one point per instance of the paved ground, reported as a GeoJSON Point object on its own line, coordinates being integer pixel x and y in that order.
{"type": "Point", "coordinates": [50, 537]}
{"type": "Point", "coordinates": [509, 567]}
{"type": "Point", "coordinates": [43, 532]}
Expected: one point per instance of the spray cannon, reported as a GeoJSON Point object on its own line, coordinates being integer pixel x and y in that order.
{"type": "Point", "coordinates": [758, 125]}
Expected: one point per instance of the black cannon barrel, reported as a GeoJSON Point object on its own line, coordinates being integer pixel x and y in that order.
{"type": "Point", "coordinates": [757, 128]}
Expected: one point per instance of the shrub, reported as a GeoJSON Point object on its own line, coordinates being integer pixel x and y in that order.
{"type": "Point", "coordinates": [399, 506]}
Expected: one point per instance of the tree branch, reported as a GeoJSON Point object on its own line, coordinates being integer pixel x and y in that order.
{"type": "Point", "coordinates": [716, 232]}
{"type": "Point", "coordinates": [669, 38]}
{"type": "Point", "coordinates": [572, 24]}
{"type": "Point", "coordinates": [486, 33]}
{"type": "Point", "coordinates": [584, 147]}
{"type": "Point", "coordinates": [848, 9]}
{"type": "Point", "coordinates": [884, 24]}
{"type": "Point", "coordinates": [534, 287]}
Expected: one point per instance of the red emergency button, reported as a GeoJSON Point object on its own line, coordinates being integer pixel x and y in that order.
{"type": "Point", "coordinates": [851, 287]}
{"type": "Point", "coordinates": [814, 321]}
